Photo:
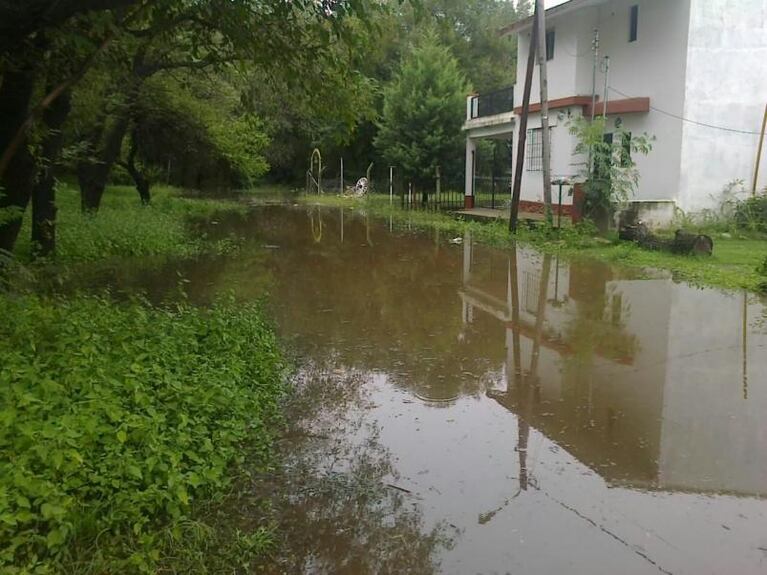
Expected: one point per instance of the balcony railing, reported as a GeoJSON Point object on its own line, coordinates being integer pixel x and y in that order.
{"type": "Point", "coordinates": [493, 103]}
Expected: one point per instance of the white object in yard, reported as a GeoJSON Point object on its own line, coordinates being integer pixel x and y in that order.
{"type": "Point", "coordinates": [361, 187]}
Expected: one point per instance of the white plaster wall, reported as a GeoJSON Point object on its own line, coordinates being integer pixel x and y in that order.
{"type": "Point", "coordinates": [654, 66]}
{"type": "Point", "coordinates": [726, 86]}
{"type": "Point", "coordinates": [563, 162]}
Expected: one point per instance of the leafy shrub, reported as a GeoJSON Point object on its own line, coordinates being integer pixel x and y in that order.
{"type": "Point", "coordinates": [115, 418]}
{"type": "Point", "coordinates": [751, 214]}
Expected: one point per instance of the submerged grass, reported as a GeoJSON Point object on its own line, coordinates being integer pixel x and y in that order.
{"type": "Point", "coordinates": [125, 228]}
{"type": "Point", "coordinates": [735, 264]}
{"type": "Point", "coordinates": [121, 421]}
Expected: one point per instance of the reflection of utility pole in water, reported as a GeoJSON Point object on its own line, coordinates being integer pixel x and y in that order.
{"type": "Point", "coordinates": [527, 385]}
{"type": "Point", "coordinates": [468, 252]}
{"type": "Point", "coordinates": [342, 225]}
{"type": "Point", "coordinates": [745, 345]}
{"type": "Point", "coordinates": [523, 427]}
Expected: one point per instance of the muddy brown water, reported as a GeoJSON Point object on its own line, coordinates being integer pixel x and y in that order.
{"type": "Point", "coordinates": [517, 413]}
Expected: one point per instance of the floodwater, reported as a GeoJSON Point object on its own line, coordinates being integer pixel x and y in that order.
{"type": "Point", "coordinates": [504, 411]}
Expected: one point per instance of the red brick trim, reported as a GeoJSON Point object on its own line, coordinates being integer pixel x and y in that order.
{"type": "Point", "coordinates": [468, 202]}
{"type": "Point", "coordinates": [526, 206]}
{"type": "Point", "coordinates": [627, 106]}
{"type": "Point", "coordinates": [559, 103]}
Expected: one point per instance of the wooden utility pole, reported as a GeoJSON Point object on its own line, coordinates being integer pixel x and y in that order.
{"type": "Point", "coordinates": [522, 140]}
{"type": "Point", "coordinates": [540, 19]}
{"type": "Point", "coordinates": [759, 153]}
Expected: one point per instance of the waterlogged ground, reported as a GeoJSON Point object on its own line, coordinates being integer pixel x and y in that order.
{"type": "Point", "coordinates": [467, 410]}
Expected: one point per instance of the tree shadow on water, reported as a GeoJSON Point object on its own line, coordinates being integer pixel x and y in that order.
{"type": "Point", "coordinates": [335, 499]}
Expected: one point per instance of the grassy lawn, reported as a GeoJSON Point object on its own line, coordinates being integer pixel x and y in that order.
{"type": "Point", "coordinates": [734, 264]}
{"type": "Point", "coordinates": [125, 228]}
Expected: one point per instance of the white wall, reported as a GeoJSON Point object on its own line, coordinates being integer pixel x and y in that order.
{"type": "Point", "coordinates": [727, 86]}
{"type": "Point", "coordinates": [653, 66]}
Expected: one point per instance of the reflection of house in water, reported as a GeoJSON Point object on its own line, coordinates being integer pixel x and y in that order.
{"type": "Point", "coordinates": [645, 381]}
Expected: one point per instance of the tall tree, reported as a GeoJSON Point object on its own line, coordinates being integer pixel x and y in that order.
{"type": "Point", "coordinates": [423, 113]}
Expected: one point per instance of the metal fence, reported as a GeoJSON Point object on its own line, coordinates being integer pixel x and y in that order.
{"type": "Point", "coordinates": [497, 102]}
{"type": "Point", "coordinates": [492, 192]}
{"type": "Point", "coordinates": [443, 194]}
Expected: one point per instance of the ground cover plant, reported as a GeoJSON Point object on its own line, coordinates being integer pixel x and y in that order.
{"type": "Point", "coordinates": [126, 228]}
{"type": "Point", "coordinates": [118, 419]}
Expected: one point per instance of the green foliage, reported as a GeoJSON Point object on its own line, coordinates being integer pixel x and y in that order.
{"type": "Point", "coordinates": [117, 418]}
{"type": "Point", "coordinates": [613, 176]}
{"type": "Point", "coordinates": [206, 113]}
{"type": "Point", "coordinates": [125, 228]}
{"type": "Point", "coordinates": [8, 213]}
{"type": "Point", "coordinates": [423, 113]}
{"type": "Point", "coordinates": [469, 28]}
{"type": "Point", "coordinates": [751, 214]}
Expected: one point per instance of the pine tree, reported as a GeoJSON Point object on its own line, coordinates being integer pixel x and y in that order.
{"type": "Point", "coordinates": [423, 112]}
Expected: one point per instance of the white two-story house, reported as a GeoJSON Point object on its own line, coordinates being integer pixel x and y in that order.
{"type": "Point", "coordinates": [691, 73]}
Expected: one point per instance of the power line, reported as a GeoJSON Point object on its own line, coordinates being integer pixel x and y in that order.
{"type": "Point", "coordinates": [689, 121]}
{"type": "Point", "coordinates": [671, 114]}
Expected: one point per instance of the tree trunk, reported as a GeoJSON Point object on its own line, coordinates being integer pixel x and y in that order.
{"type": "Point", "coordinates": [16, 182]}
{"type": "Point", "coordinates": [44, 190]}
{"type": "Point", "coordinates": [141, 181]}
{"type": "Point", "coordinates": [93, 175]}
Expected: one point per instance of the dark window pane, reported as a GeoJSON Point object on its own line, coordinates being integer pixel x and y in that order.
{"type": "Point", "coordinates": [634, 24]}
{"type": "Point", "coordinates": [550, 39]}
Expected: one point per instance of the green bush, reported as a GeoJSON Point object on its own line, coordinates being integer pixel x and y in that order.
{"type": "Point", "coordinates": [751, 214]}
{"type": "Point", "coordinates": [116, 418]}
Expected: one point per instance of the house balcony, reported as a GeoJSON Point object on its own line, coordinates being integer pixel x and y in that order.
{"type": "Point", "coordinates": [490, 114]}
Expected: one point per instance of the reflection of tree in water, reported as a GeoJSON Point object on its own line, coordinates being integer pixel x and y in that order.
{"type": "Point", "coordinates": [390, 305]}
{"type": "Point", "coordinates": [598, 328]}
{"type": "Point", "coordinates": [337, 505]}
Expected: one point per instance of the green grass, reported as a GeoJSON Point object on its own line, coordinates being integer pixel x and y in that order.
{"type": "Point", "coordinates": [124, 228]}
{"type": "Point", "coordinates": [120, 423]}
{"type": "Point", "coordinates": [735, 263]}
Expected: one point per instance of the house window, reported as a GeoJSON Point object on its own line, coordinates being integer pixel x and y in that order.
{"type": "Point", "coordinates": [550, 41]}
{"type": "Point", "coordinates": [634, 23]}
{"type": "Point", "coordinates": [534, 150]}
{"type": "Point", "coordinates": [626, 150]}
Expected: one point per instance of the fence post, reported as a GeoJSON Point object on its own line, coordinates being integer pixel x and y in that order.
{"type": "Point", "coordinates": [391, 185]}
{"type": "Point", "coordinates": [439, 187]}
{"type": "Point", "coordinates": [492, 190]}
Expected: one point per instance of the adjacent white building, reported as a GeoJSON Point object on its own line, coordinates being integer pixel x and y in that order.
{"type": "Point", "coordinates": [691, 73]}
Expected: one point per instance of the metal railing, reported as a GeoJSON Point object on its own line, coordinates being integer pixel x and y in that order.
{"type": "Point", "coordinates": [497, 102]}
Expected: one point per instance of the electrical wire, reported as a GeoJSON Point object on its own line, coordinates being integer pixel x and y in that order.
{"type": "Point", "coordinates": [689, 121]}
{"type": "Point", "coordinates": [670, 114]}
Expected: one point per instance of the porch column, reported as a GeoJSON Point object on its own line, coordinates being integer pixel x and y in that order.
{"type": "Point", "coordinates": [471, 158]}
